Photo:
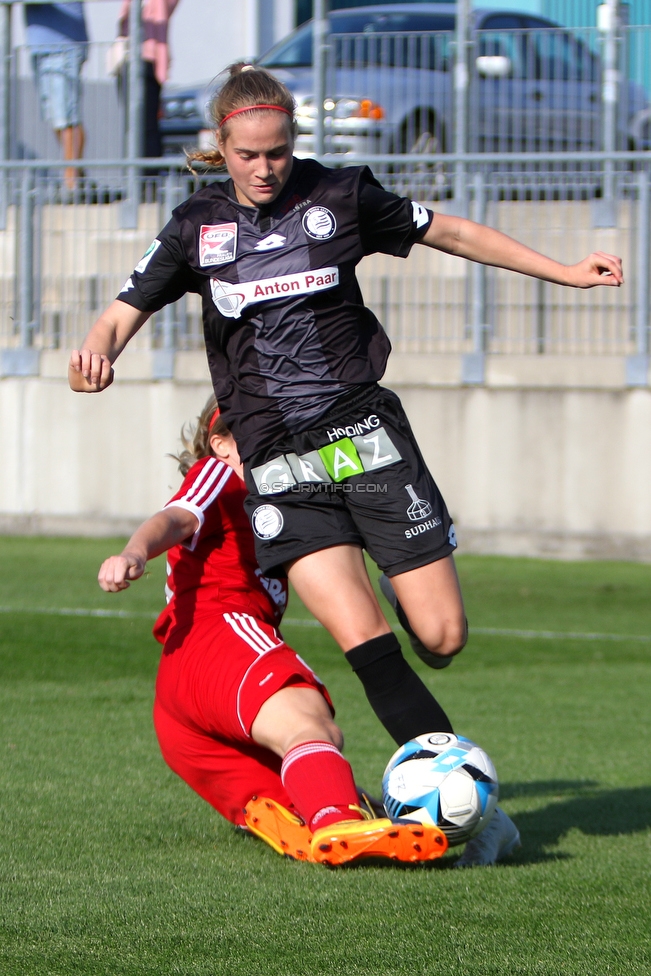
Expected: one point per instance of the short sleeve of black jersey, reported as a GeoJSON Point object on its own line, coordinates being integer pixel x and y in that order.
{"type": "Point", "coordinates": [389, 223]}
{"type": "Point", "coordinates": [162, 276]}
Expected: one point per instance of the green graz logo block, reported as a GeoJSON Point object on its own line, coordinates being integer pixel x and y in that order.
{"type": "Point", "coordinates": [341, 459]}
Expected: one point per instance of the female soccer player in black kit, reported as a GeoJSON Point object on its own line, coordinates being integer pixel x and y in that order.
{"type": "Point", "coordinates": [331, 464]}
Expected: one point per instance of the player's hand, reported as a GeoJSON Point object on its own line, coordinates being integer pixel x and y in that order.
{"type": "Point", "coordinates": [94, 367]}
{"type": "Point", "coordinates": [597, 269]}
{"type": "Point", "coordinates": [116, 571]}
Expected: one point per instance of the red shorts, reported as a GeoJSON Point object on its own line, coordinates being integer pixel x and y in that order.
{"type": "Point", "coordinates": [214, 676]}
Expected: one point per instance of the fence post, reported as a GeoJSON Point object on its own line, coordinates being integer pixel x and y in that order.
{"type": "Point", "coordinates": [24, 360]}
{"type": "Point", "coordinates": [135, 105]}
{"type": "Point", "coordinates": [461, 80]}
{"type": "Point", "coordinates": [163, 358]}
{"type": "Point", "coordinates": [320, 33]}
{"type": "Point", "coordinates": [637, 365]}
{"type": "Point", "coordinates": [473, 363]}
{"type": "Point", "coordinates": [26, 259]}
{"type": "Point", "coordinates": [605, 210]}
{"type": "Point", "coordinates": [5, 87]}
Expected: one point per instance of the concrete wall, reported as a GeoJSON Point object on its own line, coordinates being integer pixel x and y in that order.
{"type": "Point", "coordinates": [552, 457]}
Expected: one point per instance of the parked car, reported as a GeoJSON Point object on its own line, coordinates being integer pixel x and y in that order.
{"type": "Point", "coordinates": [534, 86]}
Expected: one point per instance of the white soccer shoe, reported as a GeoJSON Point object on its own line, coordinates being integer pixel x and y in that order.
{"type": "Point", "coordinates": [498, 839]}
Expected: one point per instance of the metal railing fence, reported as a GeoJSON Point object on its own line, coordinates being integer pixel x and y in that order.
{"type": "Point", "coordinates": [526, 91]}
{"type": "Point", "coordinates": [499, 91]}
{"type": "Point", "coordinates": [66, 254]}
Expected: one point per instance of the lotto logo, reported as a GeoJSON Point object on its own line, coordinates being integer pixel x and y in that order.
{"type": "Point", "coordinates": [420, 215]}
{"type": "Point", "coordinates": [270, 243]}
{"type": "Point", "coordinates": [451, 759]}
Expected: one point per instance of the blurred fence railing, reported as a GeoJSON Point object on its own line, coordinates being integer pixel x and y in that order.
{"type": "Point", "coordinates": [543, 90]}
{"type": "Point", "coordinates": [528, 91]}
{"type": "Point", "coordinates": [66, 254]}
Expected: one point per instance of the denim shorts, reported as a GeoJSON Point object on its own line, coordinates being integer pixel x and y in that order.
{"type": "Point", "coordinates": [59, 84]}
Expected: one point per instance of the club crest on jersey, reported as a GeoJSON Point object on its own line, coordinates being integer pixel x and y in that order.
{"type": "Point", "coordinates": [217, 244]}
{"type": "Point", "coordinates": [319, 223]}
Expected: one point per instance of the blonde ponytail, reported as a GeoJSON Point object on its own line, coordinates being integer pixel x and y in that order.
{"type": "Point", "coordinates": [246, 87]}
{"type": "Point", "coordinates": [196, 440]}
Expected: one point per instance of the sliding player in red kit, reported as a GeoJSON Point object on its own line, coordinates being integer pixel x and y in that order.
{"type": "Point", "coordinates": [239, 716]}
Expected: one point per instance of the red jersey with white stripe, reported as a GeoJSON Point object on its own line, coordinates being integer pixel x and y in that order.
{"type": "Point", "coordinates": [216, 570]}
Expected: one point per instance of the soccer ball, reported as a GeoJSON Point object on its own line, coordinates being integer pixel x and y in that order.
{"type": "Point", "coordinates": [442, 779]}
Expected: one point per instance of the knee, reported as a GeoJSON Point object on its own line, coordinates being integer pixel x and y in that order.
{"type": "Point", "coordinates": [325, 730]}
{"type": "Point", "coordinates": [447, 640]}
{"type": "Point", "coordinates": [317, 729]}
{"type": "Point", "coordinates": [335, 735]}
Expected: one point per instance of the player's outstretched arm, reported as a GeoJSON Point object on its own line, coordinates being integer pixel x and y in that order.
{"type": "Point", "coordinates": [90, 369]}
{"type": "Point", "coordinates": [158, 534]}
{"type": "Point", "coordinates": [487, 246]}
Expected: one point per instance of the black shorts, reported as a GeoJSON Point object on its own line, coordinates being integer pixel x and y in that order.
{"type": "Point", "coordinates": [357, 478]}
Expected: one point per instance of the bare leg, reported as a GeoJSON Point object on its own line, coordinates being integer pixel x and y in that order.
{"type": "Point", "coordinates": [431, 598]}
{"type": "Point", "coordinates": [292, 716]}
{"type": "Point", "coordinates": [334, 586]}
{"type": "Point", "coordinates": [72, 140]}
{"type": "Point", "coordinates": [296, 724]}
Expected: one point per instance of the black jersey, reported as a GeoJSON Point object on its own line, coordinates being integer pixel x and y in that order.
{"type": "Point", "coordinates": [286, 329]}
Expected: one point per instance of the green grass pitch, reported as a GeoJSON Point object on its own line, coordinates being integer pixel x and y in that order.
{"type": "Point", "coordinates": [110, 865]}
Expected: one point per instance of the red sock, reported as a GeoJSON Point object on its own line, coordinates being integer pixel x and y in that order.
{"type": "Point", "coordinates": [320, 783]}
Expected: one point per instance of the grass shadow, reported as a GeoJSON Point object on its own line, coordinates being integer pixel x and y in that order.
{"type": "Point", "coordinates": [598, 813]}
{"type": "Point", "coordinates": [595, 812]}
{"type": "Point", "coordinates": [548, 787]}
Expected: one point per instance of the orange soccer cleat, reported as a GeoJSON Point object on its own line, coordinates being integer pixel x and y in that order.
{"type": "Point", "coordinates": [398, 840]}
{"type": "Point", "coordinates": [278, 827]}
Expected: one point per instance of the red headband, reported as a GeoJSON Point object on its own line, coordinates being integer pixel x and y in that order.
{"type": "Point", "coordinates": [213, 419]}
{"type": "Point", "coordinates": [248, 108]}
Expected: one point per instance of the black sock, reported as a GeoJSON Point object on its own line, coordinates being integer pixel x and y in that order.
{"type": "Point", "coordinates": [396, 694]}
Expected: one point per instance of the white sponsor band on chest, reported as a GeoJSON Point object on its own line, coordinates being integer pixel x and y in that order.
{"type": "Point", "coordinates": [231, 298]}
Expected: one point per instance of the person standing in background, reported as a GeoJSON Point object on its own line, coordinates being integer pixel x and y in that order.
{"type": "Point", "coordinates": [156, 60]}
{"type": "Point", "coordinates": [57, 36]}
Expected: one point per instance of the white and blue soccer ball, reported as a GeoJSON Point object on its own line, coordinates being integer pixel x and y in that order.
{"type": "Point", "coordinates": [442, 779]}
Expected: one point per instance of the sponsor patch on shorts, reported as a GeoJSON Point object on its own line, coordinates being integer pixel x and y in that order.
{"type": "Point", "coordinates": [267, 521]}
{"type": "Point", "coordinates": [422, 527]}
{"type": "Point", "coordinates": [332, 463]}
